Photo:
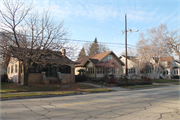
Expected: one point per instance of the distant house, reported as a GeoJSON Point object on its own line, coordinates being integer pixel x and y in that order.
{"type": "Point", "coordinates": [3, 70]}
{"type": "Point", "coordinates": [42, 71]}
{"type": "Point", "coordinates": [166, 69]}
{"type": "Point", "coordinates": [176, 68]}
{"type": "Point", "coordinates": [171, 67]}
{"type": "Point", "coordinates": [98, 65]}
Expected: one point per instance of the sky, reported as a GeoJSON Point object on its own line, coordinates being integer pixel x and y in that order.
{"type": "Point", "coordinates": [105, 19]}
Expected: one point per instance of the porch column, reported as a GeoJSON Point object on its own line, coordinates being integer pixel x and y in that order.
{"type": "Point", "coordinates": [95, 72]}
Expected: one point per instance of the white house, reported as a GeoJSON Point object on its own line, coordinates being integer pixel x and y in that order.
{"type": "Point", "coordinates": [165, 67]}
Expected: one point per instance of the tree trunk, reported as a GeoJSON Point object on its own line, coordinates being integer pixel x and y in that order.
{"type": "Point", "coordinates": [26, 74]}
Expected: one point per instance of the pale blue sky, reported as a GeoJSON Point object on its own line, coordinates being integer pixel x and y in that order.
{"type": "Point", "coordinates": [105, 19]}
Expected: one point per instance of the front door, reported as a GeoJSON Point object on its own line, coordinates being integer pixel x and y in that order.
{"type": "Point", "coordinates": [52, 71]}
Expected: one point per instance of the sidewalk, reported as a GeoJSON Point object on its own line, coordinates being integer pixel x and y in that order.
{"type": "Point", "coordinates": [101, 86]}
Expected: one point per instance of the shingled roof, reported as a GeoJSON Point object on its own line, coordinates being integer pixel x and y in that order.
{"type": "Point", "coordinates": [98, 57]}
{"type": "Point", "coordinates": [93, 58]}
{"type": "Point", "coordinates": [46, 57]}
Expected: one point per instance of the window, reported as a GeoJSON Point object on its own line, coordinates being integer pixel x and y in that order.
{"type": "Point", "coordinates": [109, 57]}
{"type": "Point", "coordinates": [117, 71]}
{"type": "Point", "coordinates": [147, 70]}
{"type": "Point", "coordinates": [132, 70]}
{"type": "Point", "coordinates": [142, 71]}
{"type": "Point", "coordinates": [99, 70]}
{"type": "Point", "coordinates": [113, 70]}
{"type": "Point", "coordinates": [35, 68]}
{"type": "Point", "coordinates": [90, 70]}
{"type": "Point", "coordinates": [16, 68]}
{"type": "Point", "coordinates": [175, 72]}
{"type": "Point", "coordinates": [150, 71]}
{"type": "Point", "coordinates": [65, 69]}
{"type": "Point", "coordinates": [12, 69]}
{"type": "Point", "coordinates": [129, 70]}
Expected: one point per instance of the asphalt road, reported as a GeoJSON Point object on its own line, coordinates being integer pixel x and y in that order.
{"type": "Point", "coordinates": [146, 104]}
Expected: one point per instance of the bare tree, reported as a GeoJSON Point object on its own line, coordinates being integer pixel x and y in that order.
{"type": "Point", "coordinates": [173, 42]}
{"type": "Point", "coordinates": [109, 67]}
{"type": "Point", "coordinates": [152, 45]}
{"type": "Point", "coordinates": [28, 35]}
{"type": "Point", "coordinates": [139, 65]}
{"type": "Point", "coordinates": [130, 52]}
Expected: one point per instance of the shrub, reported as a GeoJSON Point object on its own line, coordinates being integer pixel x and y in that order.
{"type": "Point", "coordinates": [149, 79]}
{"type": "Point", "coordinates": [121, 80]}
{"type": "Point", "coordinates": [4, 77]}
{"type": "Point", "coordinates": [79, 78]}
{"type": "Point", "coordinates": [144, 83]}
{"type": "Point", "coordinates": [103, 79]}
{"type": "Point", "coordinates": [112, 81]}
{"type": "Point", "coordinates": [175, 77]}
{"type": "Point", "coordinates": [124, 84]}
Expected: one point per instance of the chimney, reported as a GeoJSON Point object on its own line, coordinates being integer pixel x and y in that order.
{"type": "Point", "coordinates": [64, 52]}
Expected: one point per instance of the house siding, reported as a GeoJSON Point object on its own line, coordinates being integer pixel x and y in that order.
{"type": "Point", "coordinates": [90, 75]}
{"type": "Point", "coordinates": [98, 75]}
{"type": "Point", "coordinates": [14, 75]}
{"type": "Point", "coordinates": [35, 78]}
{"type": "Point", "coordinates": [78, 68]}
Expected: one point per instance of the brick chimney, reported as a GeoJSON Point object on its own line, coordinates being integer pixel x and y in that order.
{"type": "Point", "coordinates": [64, 52]}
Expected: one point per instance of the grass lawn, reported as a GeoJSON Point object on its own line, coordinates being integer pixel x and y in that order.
{"type": "Point", "coordinates": [7, 87]}
{"type": "Point", "coordinates": [164, 81]}
{"type": "Point", "coordinates": [15, 90]}
{"type": "Point", "coordinates": [142, 86]}
{"type": "Point", "coordinates": [97, 90]}
{"type": "Point", "coordinates": [38, 93]}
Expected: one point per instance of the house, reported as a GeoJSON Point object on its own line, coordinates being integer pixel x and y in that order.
{"type": "Point", "coordinates": [43, 71]}
{"type": "Point", "coordinates": [98, 65]}
{"type": "Point", "coordinates": [165, 67]}
{"type": "Point", "coordinates": [176, 69]}
{"type": "Point", "coordinates": [3, 70]}
{"type": "Point", "coordinates": [171, 67]}
{"type": "Point", "coordinates": [134, 66]}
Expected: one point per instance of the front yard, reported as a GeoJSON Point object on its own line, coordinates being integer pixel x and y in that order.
{"type": "Point", "coordinates": [165, 81]}
{"type": "Point", "coordinates": [15, 90]}
{"type": "Point", "coordinates": [7, 87]}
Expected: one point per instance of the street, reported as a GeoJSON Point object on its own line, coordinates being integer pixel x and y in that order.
{"type": "Point", "coordinates": [145, 104]}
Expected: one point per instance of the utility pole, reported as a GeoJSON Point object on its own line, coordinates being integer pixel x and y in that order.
{"type": "Point", "coordinates": [130, 30]}
{"type": "Point", "coordinates": [126, 70]}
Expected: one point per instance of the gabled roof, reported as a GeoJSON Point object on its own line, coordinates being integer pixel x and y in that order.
{"type": "Point", "coordinates": [93, 61]}
{"type": "Point", "coordinates": [99, 57]}
{"type": "Point", "coordinates": [169, 59]}
{"type": "Point", "coordinates": [128, 57]}
{"type": "Point", "coordinates": [94, 58]}
{"type": "Point", "coordinates": [165, 59]}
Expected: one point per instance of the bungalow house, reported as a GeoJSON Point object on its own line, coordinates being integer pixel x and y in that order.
{"type": "Point", "coordinates": [135, 67]}
{"type": "Point", "coordinates": [176, 69]}
{"type": "Point", "coordinates": [60, 69]}
{"type": "Point", "coordinates": [171, 67]}
{"type": "Point", "coordinates": [98, 65]}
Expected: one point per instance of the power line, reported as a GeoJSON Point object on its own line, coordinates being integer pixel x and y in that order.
{"type": "Point", "coordinates": [110, 44]}
{"type": "Point", "coordinates": [115, 44]}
